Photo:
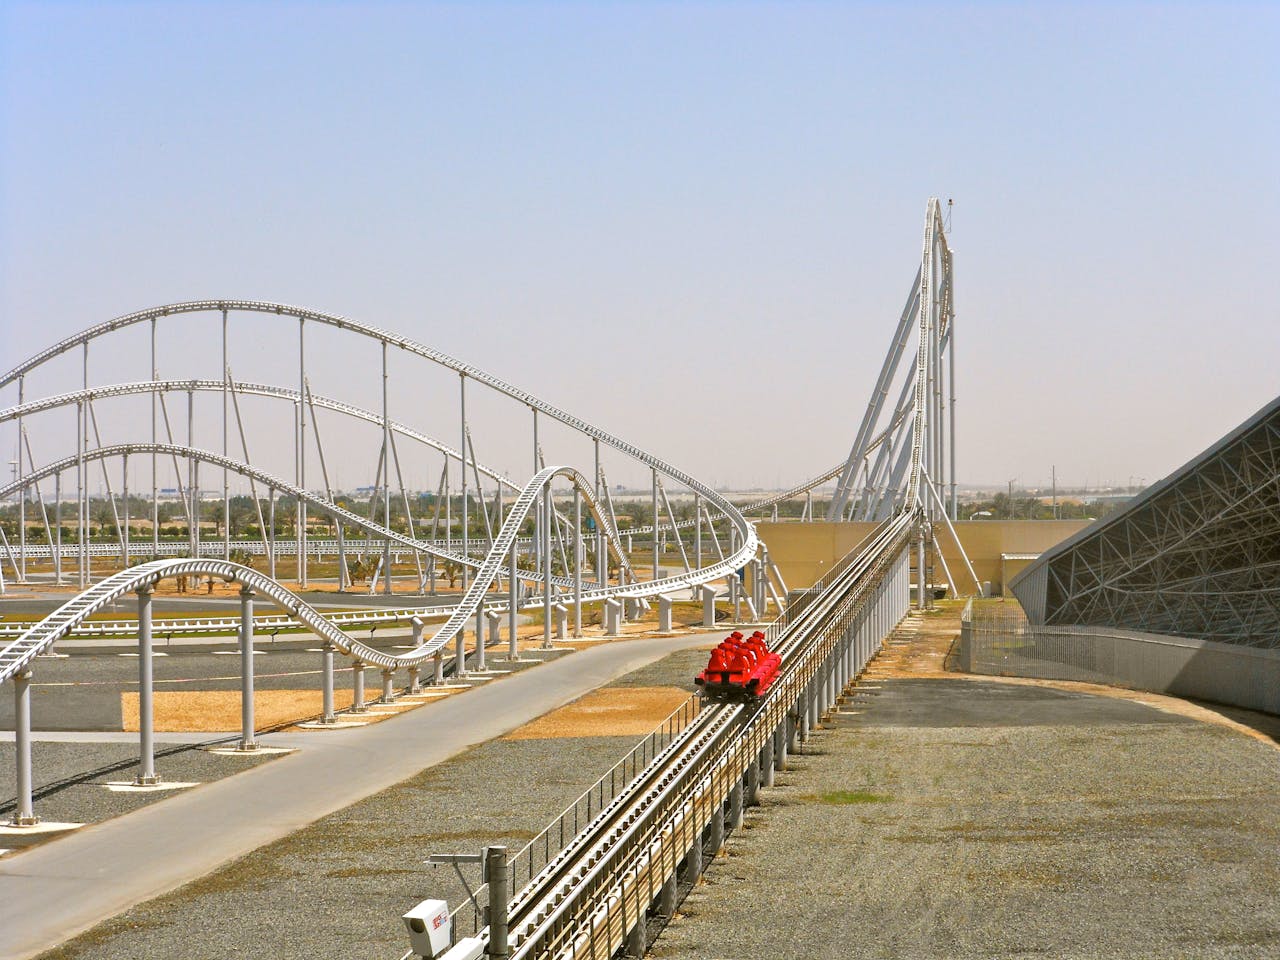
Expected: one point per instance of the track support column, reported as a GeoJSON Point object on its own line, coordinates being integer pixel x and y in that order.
{"type": "Point", "coordinates": [513, 604]}
{"type": "Point", "coordinates": [326, 683]}
{"type": "Point", "coordinates": [667, 897]}
{"type": "Point", "coordinates": [578, 557]}
{"type": "Point", "coordinates": [495, 626]}
{"type": "Point", "coordinates": [548, 519]}
{"type": "Point", "coordinates": [735, 807]}
{"type": "Point", "coordinates": [612, 617]}
{"type": "Point", "coordinates": [708, 605]}
{"type": "Point", "coordinates": [247, 742]}
{"type": "Point", "coordinates": [638, 937]}
{"type": "Point", "coordinates": [146, 727]}
{"type": "Point", "coordinates": [751, 797]}
{"type": "Point", "coordinates": [24, 813]}
{"type": "Point", "coordinates": [357, 687]}
{"type": "Point", "coordinates": [460, 656]}
{"type": "Point", "coordinates": [693, 859]}
{"type": "Point", "coordinates": [920, 577]}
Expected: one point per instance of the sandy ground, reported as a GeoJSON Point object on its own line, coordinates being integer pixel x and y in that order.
{"type": "Point", "coordinates": [218, 711]}
{"type": "Point", "coordinates": [611, 712]}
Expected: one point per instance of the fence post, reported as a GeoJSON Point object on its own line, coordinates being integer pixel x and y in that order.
{"type": "Point", "coordinates": [495, 870]}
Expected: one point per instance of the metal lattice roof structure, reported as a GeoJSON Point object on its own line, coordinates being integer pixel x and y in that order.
{"type": "Point", "coordinates": [1195, 555]}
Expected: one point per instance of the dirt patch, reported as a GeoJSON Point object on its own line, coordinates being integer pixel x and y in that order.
{"type": "Point", "coordinates": [611, 712]}
{"type": "Point", "coordinates": [218, 711]}
{"type": "Point", "coordinates": [919, 647]}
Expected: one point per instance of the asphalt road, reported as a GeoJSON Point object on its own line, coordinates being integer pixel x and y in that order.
{"type": "Point", "coordinates": [64, 887]}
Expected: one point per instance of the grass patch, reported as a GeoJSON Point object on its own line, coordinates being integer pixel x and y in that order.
{"type": "Point", "coordinates": [847, 797]}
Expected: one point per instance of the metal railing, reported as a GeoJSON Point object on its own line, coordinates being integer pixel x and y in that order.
{"type": "Point", "coordinates": [543, 849]}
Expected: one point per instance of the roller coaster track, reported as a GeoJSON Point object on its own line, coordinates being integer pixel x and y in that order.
{"type": "Point", "coordinates": [217, 460]}
{"type": "Point", "coordinates": [266, 390]}
{"type": "Point", "coordinates": [39, 638]}
{"type": "Point", "coordinates": [391, 339]}
{"type": "Point", "coordinates": [143, 548]}
{"type": "Point", "coordinates": [595, 887]}
{"type": "Point", "coordinates": [250, 389]}
{"type": "Point", "coordinates": [454, 550]}
{"type": "Point", "coordinates": [284, 393]}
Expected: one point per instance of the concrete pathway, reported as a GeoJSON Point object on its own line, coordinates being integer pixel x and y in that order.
{"type": "Point", "coordinates": [52, 892]}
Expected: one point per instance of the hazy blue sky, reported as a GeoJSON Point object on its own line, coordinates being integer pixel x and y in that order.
{"type": "Point", "coordinates": [693, 224]}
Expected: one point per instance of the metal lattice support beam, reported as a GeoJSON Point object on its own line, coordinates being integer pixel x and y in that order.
{"type": "Point", "coordinates": [1196, 555]}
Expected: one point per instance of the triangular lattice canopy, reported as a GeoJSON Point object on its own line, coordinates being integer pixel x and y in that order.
{"type": "Point", "coordinates": [1196, 555]}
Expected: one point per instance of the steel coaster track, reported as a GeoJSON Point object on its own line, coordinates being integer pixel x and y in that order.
{"type": "Point", "coordinates": [545, 906]}
{"type": "Point", "coordinates": [429, 547]}
{"type": "Point", "coordinates": [808, 642]}
{"type": "Point", "coordinates": [593, 877]}
{"type": "Point", "coordinates": [251, 389]}
{"type": "Point", "coordinates": [745, 529]}
{"type": "Point", "coordinates": [40, 638]}
{"type": "Point", "coordinates": [474, 602]}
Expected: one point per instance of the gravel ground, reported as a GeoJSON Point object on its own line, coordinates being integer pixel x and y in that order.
{"type": "Point", "coordinates": [943, 819]}
{"type": "Point", "coordinates": [676, 670]}
{"type": "Point", "coordinates": [954, 819]}
{"type": "Point", "coordinates": [336, 889]}
{"type": "Point", "coordinates": [69, 777]}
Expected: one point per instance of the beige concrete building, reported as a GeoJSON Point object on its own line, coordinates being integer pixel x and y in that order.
{"type": "Point", "coordinates": [998, 549]}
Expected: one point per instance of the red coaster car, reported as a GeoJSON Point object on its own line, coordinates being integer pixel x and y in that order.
{"type": "Point", "coordinates": [740, 669]}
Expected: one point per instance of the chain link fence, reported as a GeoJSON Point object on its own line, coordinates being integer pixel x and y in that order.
{"type": "Point", "coordinates": [999, 641]}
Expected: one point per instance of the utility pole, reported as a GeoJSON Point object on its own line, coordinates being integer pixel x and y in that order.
{"type": "Point", "coordinates": [1053, 472]}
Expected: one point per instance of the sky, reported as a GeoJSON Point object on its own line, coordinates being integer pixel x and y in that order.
{"type": "Point", "coordinates": [693, 225]}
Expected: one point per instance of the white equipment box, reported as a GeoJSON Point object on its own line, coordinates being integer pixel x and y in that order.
{"type": "Point", "coordinates": [430, 929]}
